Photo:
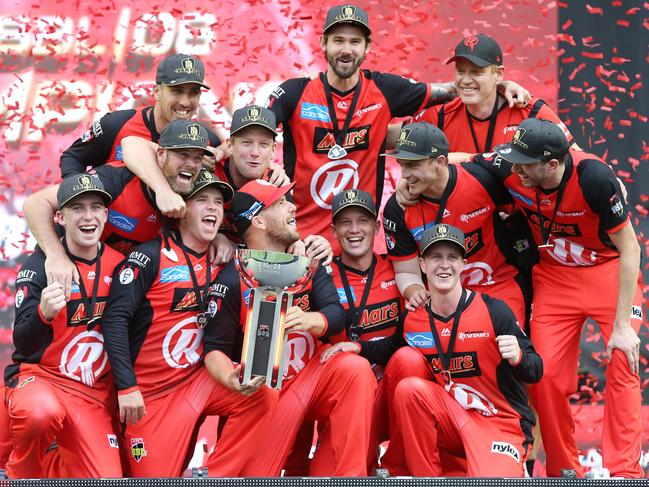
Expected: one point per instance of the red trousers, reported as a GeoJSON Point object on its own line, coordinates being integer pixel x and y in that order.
{"type": "Point", "coordinates": [337, 394]}
{"type": "Point", "coordinates": [41, 412]}
{"type": "Point", "coordinates": [563, 298]}
{"type": "Point", "coordinates": [429, 420]}
{"type": "Point", "coordinates": [5, 430]}
{"type": "Point", "coordinates": [157, 444]}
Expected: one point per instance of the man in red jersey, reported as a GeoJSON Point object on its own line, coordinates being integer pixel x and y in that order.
{"type": "Point", "coordinates": [330, 393]}
{"type": "Point", "coordinates": [59, 386]}
{"type": "Point", "coordinates": [162, 300]}
{"type": "Point", "coordinates": [466, 396]}
{"type": "Point", "coordinates": [335, 125]}
{"type": "Point", "coordinates": [589, 267]}
{"type": "Point", "coordinates": [465, 195]}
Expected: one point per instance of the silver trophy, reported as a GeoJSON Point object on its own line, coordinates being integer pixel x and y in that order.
{"type": "Point", "coordinates": [273, 278]}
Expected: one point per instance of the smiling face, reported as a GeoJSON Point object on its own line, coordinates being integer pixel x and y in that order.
{"type": "Point", "coordinates": [202, 218]}
{"type": "Point", "coordinates": [279, 222]}
{"type": "Point", "coordinates": [533, 175]}
{"type": "Point", "coordinates": [442, 264]}
{"type": "Point", "coordinates": [420, 175]}
{"type": "Point", "coordinates": [477, 86]}
{"type": "Point", "coordinates": [345, 47]}
{"type": "Point", "coordinates": [83, 218]}
{"type": "Point", "coordinates": [180, 167]}
{"type": "Point", "coordinates": [355, 228]}
{"type": "Point", "coordinates": [175, 102]}
{"type": "Point", "coordinates": [252, 150]}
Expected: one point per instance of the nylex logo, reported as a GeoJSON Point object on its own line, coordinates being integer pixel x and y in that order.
{"type": "Point", "coordinates": [505, 449]}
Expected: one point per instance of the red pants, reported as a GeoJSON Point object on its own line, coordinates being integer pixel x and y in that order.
{"type": "Point", "coordinates": [563, 298]}
{"type": "Point", "coordinates": [157, 444]}
{"type": "Point", "coordinates": [5, 430]}
{"type": "Point", "coordinates": [339, 395]}
{"type": "Point", "coordinates": [429, 420]}
{"type": "Point", "coordinates": [41, 412]}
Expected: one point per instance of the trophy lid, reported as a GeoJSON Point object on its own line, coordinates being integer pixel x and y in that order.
{"type": "Point", "coordinates": [275, 269]}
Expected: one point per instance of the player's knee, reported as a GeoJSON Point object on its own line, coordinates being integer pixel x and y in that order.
{"type": "Point", "coordinates": [45, 417]}
{"type": "Point", "coordinates": [406, 362]}
{"type": "Point", "coordinates": [353, 368]}
{"type": "Point", "coordinates": [410, 391]}
{"type": "Point", "coordinates": [266, 397]}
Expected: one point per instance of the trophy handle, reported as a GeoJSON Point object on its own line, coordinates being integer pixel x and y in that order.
{"type": "Point", "coordinates": [278, 365]}
{"type": "Point", "coordinates": [246, 342]}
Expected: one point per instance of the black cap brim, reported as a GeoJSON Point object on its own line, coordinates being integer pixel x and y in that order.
{"type": "Point", "coordinates": [106, 197]}
{"type": "Point", "coordinates": [475, 60]}
{"type": "Point", "coordinates": [434, 241]}
{"type": "Point", "coordinates": [352, 205]}
{"type": "Point", "coordinates": [250, 124]}
{"type": "Point", "coordinates": [510, 153]}
{"type": "Point", "coordinates": [363, 26]}
{"type": "Point", "coordinates": [225, 189]}
{"type": "Point", "coordinates": [408, 156]}
{"type": "Point", "coordinates": [185, 82]}
{"type": "Point", "coordinates": [180, 147]}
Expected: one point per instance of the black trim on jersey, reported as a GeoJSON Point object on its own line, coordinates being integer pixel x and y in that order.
{"type": "Point", "coordinates": [440, 118]}
{"type": "Point", "coordinates": [380, 351]}
{"type": "Point", "coordinates": [128, 315]}
{"type": "Point", "coordinates": [536, 108]}
{"type": "Point", "coordinates": [398, 91]}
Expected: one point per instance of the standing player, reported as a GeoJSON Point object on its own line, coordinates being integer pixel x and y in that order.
{"type": "Point", "coordinates": [335, 125]}
{"type": "Point", "coordinates": [589, 267]}
{"type": "Point", "coordinates": [331, 393]}
{"type": "Point", "coordinates": [161, 301]}
{"type": "Point", "coordinates": [465, 195]}
{"type": "Point", "coordinates": [467, 396]}
{"type": "Point", "coordinates": [59, 385]}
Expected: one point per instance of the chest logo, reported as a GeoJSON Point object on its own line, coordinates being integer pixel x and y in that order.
{"type": "Point", "coordinates": [83, 359]}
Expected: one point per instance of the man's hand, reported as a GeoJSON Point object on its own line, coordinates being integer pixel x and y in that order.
{"type": "Point", "coordinates": [52, 300]}
{"type": "Point", "coordinates": [509, 349]}
{"type": "Point", "coordinates": [278, 176]}
{"type": "Point", "coordinates": [318, 247]}
{"type": "Point", "coordinates": [170, 203]}
{"type": "Point", "coordinates": [514, 93]}
{"type": "Point", "coordinates": [221, 152]}
{"type": "Point", "coordinates": [308, 321]}
{"type": "Point", "coordinates": [403, 194]}
{"type": "Point", "coordinates": [418, 297]}
{"type": "Point", "coordinates": [626, 340]}
{"type": "Point", "coordinates": [246, 389]}
{"type": "Point", "coordinates": [222, 249]}
{"type": "Point", "coordinates": [60, 269]}
{"type": "Point", "coordinates": [352, 347]}
{"type": "Point", "coordinates": [131, 407]}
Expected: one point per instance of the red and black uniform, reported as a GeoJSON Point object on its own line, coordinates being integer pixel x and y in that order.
{"type": "Point", "coordinates": [155, 345]}
{"type": "Point", "coordinates": [469, 203]}
{"type": "Point", "coordinates": [577, 278]}
{"type": "Point", "coordinates": [59, 385]}
{"type": "Point", "coordinates": [101, 143]}
{"type": "Point", "coordinates": [301, 106]}
{"type": "Point", "coordinates": [377, 316]}
{"type": "Point", "coordinates": [331, 393]}
{"type": "Point", "coordinates": [467, 133]}
{"type": "Point", "coordinates": [483, 414]}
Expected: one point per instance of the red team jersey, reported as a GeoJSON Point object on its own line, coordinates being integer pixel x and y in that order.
{"type": "Point", "coordinates": [301, 106]}
{"type": "Point", "coordinates": [483, 379]}
{"type": "Point", "coordinates": [471, 206]}
{"type": "Point", "coordinates": [456, 122]}
{"type": "Point", "coordinates": [66, 351]}
{"type": "Point", "coordinates": [152, 335]}
{"type": "Point", "coordinates": [378, 318]}
{"type": "Point", "coordinates": [591, 207]}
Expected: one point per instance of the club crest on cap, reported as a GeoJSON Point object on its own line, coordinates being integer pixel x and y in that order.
{"type": "Point", "coordinates": [471, 42]}
{"type": "Point", "coordinates": [348, 12]}
{"type": "Point", "coordinates": [207, 176]}
{"type": "Point", "coordinates": [350, 195]}
{"type": "Point", "coordinates": [518, 136]}
{"type": "Point", "coordinates": [188, 65]}
{"type": "Point", "coordinates": [83, 182]}
{"type": "Point", "coordinates": [403, 138]}
{"type": "Point", "coordinates": [193, 133]}
{"type": "Point", "coordinates": [441, 231]}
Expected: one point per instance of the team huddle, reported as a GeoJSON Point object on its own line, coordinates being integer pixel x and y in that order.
{"type": "Point", "coordinates": [456, 352]}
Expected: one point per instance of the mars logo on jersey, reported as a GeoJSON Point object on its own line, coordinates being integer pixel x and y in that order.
{"type": "Point", "coordinates": [357, 138]}
{"type": "Point", "coordinates": [181, 345]}
{"type": "Point", "coordinates": [332, 178]}
{"type": "Point", "coordinates": [84, 359]}
{"type": "Point", "coordinates": [463, 364]}
{"type": "Point", "coordinates": [299, 348]}
{"type": "Point", "coordinates": [78, 314]}
{"type": "Point", "coordinates": [137, 449]}
{"type": "Point", "coordinates": [558, 229]}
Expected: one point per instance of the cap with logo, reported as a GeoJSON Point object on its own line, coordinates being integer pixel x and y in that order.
{"type": "Point", "coordinates": [252, 198]}
{"type": "Point", "coordinates": [442, 232]}
{"type": "Point", "coordinates": [480, 49]}
{"type": "Point", "coordinates": [207, 178]}
{"type": "Point", "coordinates": [180, 69]}
{"type": "Point", "coordinates": [347, 14]}
{"type": "Point", "coordinates": [419, 141]}
{"type": "Point", "coordinates": [535, 140]}
{"type": "Point", "coordinates": [185, 134]}
{"type": "Point", "coordinates": [79, 184]}
{"type": "Point", "coordinates": [352, 197]}
{"type": "Point", "coordinates": [253, 115]}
